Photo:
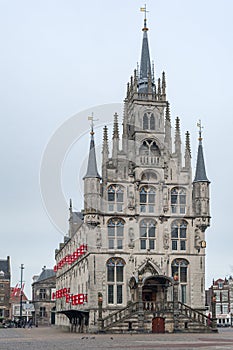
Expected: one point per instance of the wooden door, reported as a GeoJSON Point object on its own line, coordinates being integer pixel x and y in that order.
{"type": "Point", "coordinates": [158, 325]}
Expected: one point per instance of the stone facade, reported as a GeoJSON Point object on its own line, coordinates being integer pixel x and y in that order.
{"type": "Point", "coordinates": [144, 219]}
{"type": "Point", "coordinates": [43, 288]}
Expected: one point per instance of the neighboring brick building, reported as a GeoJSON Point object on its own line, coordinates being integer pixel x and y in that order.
{"type": "Point", "coordinates": [43, 288]}
{"type": "Point", "coordinates": [5, 282]}
{"type": "Point", "coordinates": [222, 290]}
{"type": "Point", "coordinates": [27, 306]}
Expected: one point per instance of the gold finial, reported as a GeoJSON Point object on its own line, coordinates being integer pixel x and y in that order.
{"type": "Point", "coordinates": [200, 129]}
{"type": "Point", "coordinates": [143, 9]}
{"type": "Point", "coordinates": [91, 118]}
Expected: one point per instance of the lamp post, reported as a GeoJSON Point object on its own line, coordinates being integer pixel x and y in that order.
{"type": "Point", "coordinates": [175, 301]}
{"type": "Point", "coordinates": [140, 305]}
{"type": "Point", "coordinates": [21, 295]}
{"type": "Point", "coordinates": [100, 310]}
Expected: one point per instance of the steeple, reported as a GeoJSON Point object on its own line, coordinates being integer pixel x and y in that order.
{"type": "Point", "coordinates": [145, 65]}
{"type": "Point", "coordinates": [200, 175]}
{"type": "Point", "coordinates": [92, 171]}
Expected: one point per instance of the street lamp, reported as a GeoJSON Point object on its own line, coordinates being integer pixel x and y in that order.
{"type": "Point", "coordinates": [21, 295]}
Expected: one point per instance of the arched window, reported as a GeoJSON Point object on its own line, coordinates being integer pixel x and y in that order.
{"type": "Point", "coordinates": [178, 200]}
{"type": "Point", "coordinates": [115, 198]}
{"type": "Point", "coordinates": [115, 233]}
{"type": "Point", "coordinates": [179, 234]}
{"type": "Point", "coordinates": [149, 148]}
{"type": "Point", "coordinates": [148, 121]}
{"type": "Point", "coordinates": [145, 122]}
{"type": "Point", "coordinates": [147, 234]}
{"type": "Point", "coordinates": [180, 268]}
{"type": "Point", "coordinates": [147, 200]}
{"type": "Point", "coordinates": [115, 280]}
{"type": "Point", "coordinates": [152, 122]}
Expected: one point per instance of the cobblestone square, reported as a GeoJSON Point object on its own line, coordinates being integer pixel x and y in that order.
{"type": "Point", "coordinates": [53, 338]}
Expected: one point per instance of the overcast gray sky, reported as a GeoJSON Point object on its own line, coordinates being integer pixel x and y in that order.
{"type": "Point", "coordinates": [60, 57]}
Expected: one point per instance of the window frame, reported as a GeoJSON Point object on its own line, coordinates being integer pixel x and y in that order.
{"type": "Point", "coordinates": [179, 235]}
{"type": "Point", "coordinates": [115, 285]}
{"type": "Point", "coordinates": [147, 238]}
{"type": "Point", "coordinates": [115, 230]}
{"type": "Point", "coordinates": [178, 200]}
{"type": "Point", "coordinates": [147, 199]}
{"type": "Point", "coordinates": [116, 192]}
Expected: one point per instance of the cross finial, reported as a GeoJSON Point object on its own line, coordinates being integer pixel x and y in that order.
{"type": "Point", "coordinates": [143, 9]}
{"type": "Point", "coordinates": [199, 125]}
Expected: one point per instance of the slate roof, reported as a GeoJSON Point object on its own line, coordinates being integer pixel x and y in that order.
{"type": "Point", "coordinates": [92, 171]}
{"type": "Point", "coordinates": [200, 175]}
{"type": "Point", "coordinates": [45, 274]}
{"type": "Point", "coordinates": [145, 65]}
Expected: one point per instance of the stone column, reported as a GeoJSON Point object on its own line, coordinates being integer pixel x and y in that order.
{"type": "Point", "coordinates": [140, 306]}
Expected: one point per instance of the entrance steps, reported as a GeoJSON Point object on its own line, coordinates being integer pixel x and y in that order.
{"type": "Point", "coordinates": [180, 319]}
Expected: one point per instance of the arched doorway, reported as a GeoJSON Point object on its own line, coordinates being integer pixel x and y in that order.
{"type": "Point", "coordinates": [155, 290]}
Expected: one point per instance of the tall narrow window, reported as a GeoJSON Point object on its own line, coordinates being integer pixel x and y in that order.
{"type": "Point", "coordinates": [115, 198]}
{"type": "Point", "coordinates": [179, 235]}
{"type": "Point", "coordinates": [180, 268]}
{"type": "Point", "coordinates": [147, 199]}
{"type": "Point", "coordinates": [42, 311]}
{"type": "Point", "coordinates": [152, 122]}
{"type": "Point", "coordinates": [115, 280]}
{"type": "Point", "coordinates": [178, 200]}
{"type": "Point", "coordinates": [115, 233]}
{"type": "Point", "coordinates": [145, 122]}
{"type": "Point", "coordinates": [147, 234]}
{"type": "Point", "coordinates": [42, 293]}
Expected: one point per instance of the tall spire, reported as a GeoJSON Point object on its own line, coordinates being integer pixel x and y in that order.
{"type": "Point", "coordinates": [145, 66]}
{"type": "Point", "coordinates": [92, 171]}
{"type": "Point", "coordinates": [200, 175]}
{"type": "Point", "coordinates": [187, 151]}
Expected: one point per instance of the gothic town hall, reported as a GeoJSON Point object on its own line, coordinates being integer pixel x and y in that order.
{"type": "Point", "coordinates": [134, 257]}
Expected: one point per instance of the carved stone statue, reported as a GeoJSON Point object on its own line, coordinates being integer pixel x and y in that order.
{"type": "Point", "coordinates": [98, 237]}
{"type": "Point", "coordinates": [131, 238]}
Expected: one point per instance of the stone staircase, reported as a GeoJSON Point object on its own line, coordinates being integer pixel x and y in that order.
{"type": "Point", "coordinates": [182, 318]}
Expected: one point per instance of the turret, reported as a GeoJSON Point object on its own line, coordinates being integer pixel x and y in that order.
{"type": "Point", "coordinates": [201, 183]}
{"type": "Point", "coordinates": [92, 181]}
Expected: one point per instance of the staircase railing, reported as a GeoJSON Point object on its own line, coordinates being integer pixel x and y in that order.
{"type": "Point", "coordinates": [119, 315]}
{"type": "Point", "coordinates": [163, 306]}
{"type": "Point", "coordinates": [195, 315]}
